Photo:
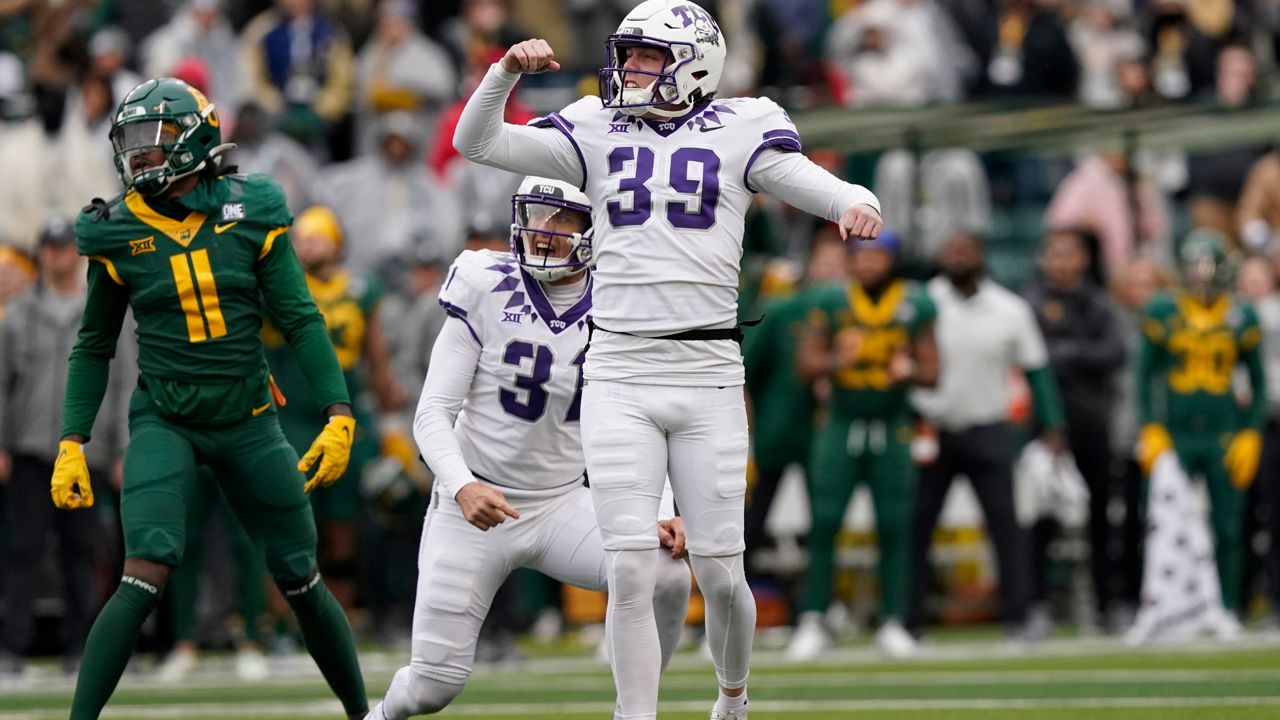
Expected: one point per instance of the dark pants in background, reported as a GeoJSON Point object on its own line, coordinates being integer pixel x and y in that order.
{"type": "Point", "coordinates": [33, 522]}
{"type": "Point", "coordinates": [984, 454]}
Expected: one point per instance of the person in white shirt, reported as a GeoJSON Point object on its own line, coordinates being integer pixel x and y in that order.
{"type": "Point", "coordinates": [670, 169]}
{"type": "Point", "coordinates": [498, 425]}
{"type": "Point", "coordinates": [984, 333]}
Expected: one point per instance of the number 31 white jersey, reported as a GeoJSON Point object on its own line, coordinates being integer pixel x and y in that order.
{"type": "Point", "coordinates": [519, 425]}
{"type": "Point", "coordinates": [669, 200]}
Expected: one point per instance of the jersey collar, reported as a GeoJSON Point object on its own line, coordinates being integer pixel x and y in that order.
{"type": "Point", "coordinates": [667, 126]}
{"type": "Point", "coordinates": [180, 231]}
{"type": "Point", "coordinates": [547, 313]}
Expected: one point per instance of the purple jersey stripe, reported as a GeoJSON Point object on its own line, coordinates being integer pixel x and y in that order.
{"type": "Point", "coordinates": [461, 314]}
{"type": "Point", "coordinates": [566, 128]}
{"type": "Point", "coordinates": [783, 143]}
{"type": "Point", "coordinates": [781, 133]}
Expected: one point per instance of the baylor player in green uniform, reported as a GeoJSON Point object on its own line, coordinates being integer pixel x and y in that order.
{"type": "Point", "coordinates": [349, 306]}
{"type": "Point", "coordinates": [871, 341]}
{"type": "Point", "coordinates": [1192, 342]}
{"type": "Point", "coordinates": [199, 256]}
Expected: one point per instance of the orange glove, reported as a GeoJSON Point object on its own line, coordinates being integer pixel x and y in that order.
{"type": "Point", "coordinates": [1153, 441]}
{"type": "Point", "coordinates": [1241, 460]}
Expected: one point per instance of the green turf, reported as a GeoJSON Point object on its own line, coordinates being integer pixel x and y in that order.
{"type": "Point", "coordinates": [968, 681]}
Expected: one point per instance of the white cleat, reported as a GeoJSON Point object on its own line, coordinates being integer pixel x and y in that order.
{"type": "Point", "coordinates": [177, 666]}
{"type": "Point", "coordinates": [810, 640]}
{"type": "Point", "coordinates": [1222, 625]}
{"type": "Point", "coordinates": [894, 640]}
{"type": "Point", "coordinates": [251, 665]}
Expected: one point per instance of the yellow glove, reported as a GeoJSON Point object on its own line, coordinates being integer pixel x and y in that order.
{"type": "Point", "coordinates": [70, 485]}
{"type": "Point", "coordinates": [1153, 440]}
{"type": "Point", "coordinates": [1241, 460]}
{"type": "Point", "coordinates": [396, 444]}
{"type": "Point", "coordinates": [332, 447]}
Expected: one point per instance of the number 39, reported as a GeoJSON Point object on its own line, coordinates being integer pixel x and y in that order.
{"type": "Point", "coordinates": [636, 205]}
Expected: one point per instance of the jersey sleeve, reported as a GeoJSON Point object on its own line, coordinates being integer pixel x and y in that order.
{"type": "Point", "coordinates": [262, 202]}
{"type": "Point", "coordinates": [566, 123]}
{"type": "Point", "coordinates": [770, 129]}
{"type": "Point", "coordinates": [462, 293]}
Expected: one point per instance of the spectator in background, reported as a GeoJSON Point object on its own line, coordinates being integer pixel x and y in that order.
{"type": "Point", "coordinates": [1256, 284]}
{"type": "Point", "coordinates": [984, 332]}
{"type": "Point", "coordinates": [442, 155]}
{"type": "Point", "coordinates": [901, 53]}
{"type": "Point", "coordinates": [1217, 177]}
{"type": "Point", "coordinates": [1025, 52]}
{"type": "Point", "coordinates": [928, 199]}
{"type": "Point", "coordinates": [262, 149]}
{"type": "Point", "coordinates": [199, 29]}
{"type": "Point", "coordinates": [16, 273]}
{"type": "Point", "coordinates": [1086, 348]}
{"type": "Point", "coordinates": [79, 145]}
{"type": "Point", "coordinates": [298, 65]}
{"type": "Point", "coordinates": [400, 69]}
{"type": "Point", "coordinates": [109, 51]}
{"type": "Point", "coordinates": [389, 201]}
{"type": "Point", "coordinates": [1132, 287]}
{"type": "Point", "coordinates": [782, 406]}
{"type": "Point", "coordinates": [412, 318]}
{"type": "Point", "coordinates": [1126, 213]}
{"type": "Point", "coordinates": [40, 327]}
{"type": "Point", "coordinates": [1103, 41]}
{"type": "Point", "coordinates": [482, 25]}
{"type": "Point", "coordinates": [1258, 213]}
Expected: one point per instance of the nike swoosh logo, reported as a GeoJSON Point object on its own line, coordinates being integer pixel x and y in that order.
{"type": "Point", "coordinates": [259, 410]}
{"type": "Point", "coordinates": [709, 128]}
{"type": "Point", "coordinates": [219, 229]}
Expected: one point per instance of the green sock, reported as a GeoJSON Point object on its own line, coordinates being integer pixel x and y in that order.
{"type": "Point", "coordinates": [182, 590]}
{"type": "Point", "coordinates": [110, 644]}
{"type": "Point", "coordinates": [327, 635]}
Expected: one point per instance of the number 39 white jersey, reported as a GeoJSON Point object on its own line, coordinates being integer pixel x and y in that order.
{"type": "Point", "coordinates": [519, 425]}
{"type": "Point", "coordinates": [669, 200]}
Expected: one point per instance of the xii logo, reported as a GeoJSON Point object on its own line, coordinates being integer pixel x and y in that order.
{"type": "Point", "coordinates": [619, 127]}
{"type": "Point", "coordinates": [145, 245]}
{"type": "Point", "coordinates": [511, 317]}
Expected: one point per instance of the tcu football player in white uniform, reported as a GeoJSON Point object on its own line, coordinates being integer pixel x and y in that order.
{"type": "Point", "coordinates": [670, 169]}
{"type": "Point", "coordinates": [509, 472]}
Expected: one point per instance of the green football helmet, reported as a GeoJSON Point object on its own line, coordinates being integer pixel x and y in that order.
{"type": "Point", "coordinates": [169, 116]}
{"type": "Point", "coordinates": [1206, 269]}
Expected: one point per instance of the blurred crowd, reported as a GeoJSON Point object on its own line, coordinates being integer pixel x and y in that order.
{"type": "Point", "coordinates": [351, 104]}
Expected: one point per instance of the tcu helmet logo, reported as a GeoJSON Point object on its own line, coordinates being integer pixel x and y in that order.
{"type": "Point", "coordinates": [705, 29]}
{"type": "Point", "coordinates": [551, 190]}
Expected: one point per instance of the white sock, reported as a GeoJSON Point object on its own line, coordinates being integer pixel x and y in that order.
{"type": "Point", "coordinates": [725, 703]}
{"type": "Point", "coordinates": [731, 615]}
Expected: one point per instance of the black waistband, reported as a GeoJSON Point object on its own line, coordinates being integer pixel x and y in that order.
{"type": "Point", "coordinates": [730, 333]}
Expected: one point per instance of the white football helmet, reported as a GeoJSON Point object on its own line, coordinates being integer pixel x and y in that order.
{"type": "Point", "coordinates": [695, 50]}
{"type": "Point", "coordinates": [543, 209]}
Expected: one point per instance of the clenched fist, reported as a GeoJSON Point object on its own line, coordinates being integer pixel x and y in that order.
{"type": "Point", "coordinates": [529, 57]}
{"type": "Point", "coordinates": [860, 222]}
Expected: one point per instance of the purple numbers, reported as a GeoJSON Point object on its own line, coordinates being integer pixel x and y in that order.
{"type": "Point", "coordinates": [532, 383]}
{"type": "Point", "coordinates": [704, 187]}
{"type": "Point", "coordinates": [575, 405]}
{"type": "Point", "coordinates": [641, 201]}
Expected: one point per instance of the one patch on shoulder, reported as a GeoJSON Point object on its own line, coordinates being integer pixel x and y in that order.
{"type": "Point", "coordinates": [232, 211]}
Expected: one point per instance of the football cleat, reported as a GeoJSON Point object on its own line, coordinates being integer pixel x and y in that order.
{"type": "Point", "coordinates": [894, 640]}
{"type": "Point", "coordinates": [810, 640]}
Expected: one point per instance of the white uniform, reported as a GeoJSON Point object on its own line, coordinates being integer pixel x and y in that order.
{"type": "Point", "coordinates": [507, 366]}
{"type": "Point", "coordinates": [668, 200]}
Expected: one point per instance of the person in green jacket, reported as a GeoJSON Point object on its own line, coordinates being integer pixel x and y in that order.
{"type": "Point", "coordinates": [782, 406]}
{"type": "Point", "coordinates": [1192, 342]}
{"type": "Point", "coordinates": [200, 255]}
{"type": "Point", "coordinates": [870, 342]}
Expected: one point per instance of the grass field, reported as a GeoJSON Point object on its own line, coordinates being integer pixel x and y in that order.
{"type": "Point", "coordinates": [958, 679]}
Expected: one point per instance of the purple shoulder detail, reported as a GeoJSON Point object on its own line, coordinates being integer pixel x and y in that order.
{"type": "Point", "coordinates": [783, 140]}
{"type": "Point", "coordinates": [461, 314]}
{"type": "Point", "coordinates": [507, 284]}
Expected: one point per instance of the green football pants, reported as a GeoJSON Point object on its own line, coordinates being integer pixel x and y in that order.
{"type": "Point", "coordinates": [1201, 455]}
{"type": "Point", "coordinates": [845, 453]}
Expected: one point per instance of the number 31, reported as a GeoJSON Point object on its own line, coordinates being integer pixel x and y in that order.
{"type": "Point", "coordinates": [637, 206]}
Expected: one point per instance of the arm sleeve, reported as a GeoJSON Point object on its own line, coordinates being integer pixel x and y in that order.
{"type": "Point", "coordinates": [453, 366]}
{"type": "Point", "coordinates": [295, 315]}
{"type": "Point", "coordinates": [548, 150]}
{"type": "Point", "coordinates": [1047, 399]}
{"type": "Point", "coordinates": [802, 183]}
{"type": "Point", "coordinates": [90, 366]}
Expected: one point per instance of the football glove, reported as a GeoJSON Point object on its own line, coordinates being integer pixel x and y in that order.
{"type": "Point", "coordinates": [70, 485]}
{"type": "Point", "coordinates": [1153, 441]}
{"type": "Point", "coordinates": [332, 448]}
{"type": "Point", "coordinates": [401, 447]}
{"type": "Point", "coordinates": [1241, 460]}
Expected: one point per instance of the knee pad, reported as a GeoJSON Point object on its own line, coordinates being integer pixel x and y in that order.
{"type": "Point", "coordinates": [413, 693]}
{"type": "Point", "coordinates": [295, 590]}
{"type": "Point", "coordinates": [720, 579]}
{"type": "Point", "coordinates": [633, 574]}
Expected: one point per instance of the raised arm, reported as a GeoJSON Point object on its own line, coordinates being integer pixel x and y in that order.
{"type": "Point", "coordinates": [483, 137]}
{"type": "Point", "coordinates": [798, 181]}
